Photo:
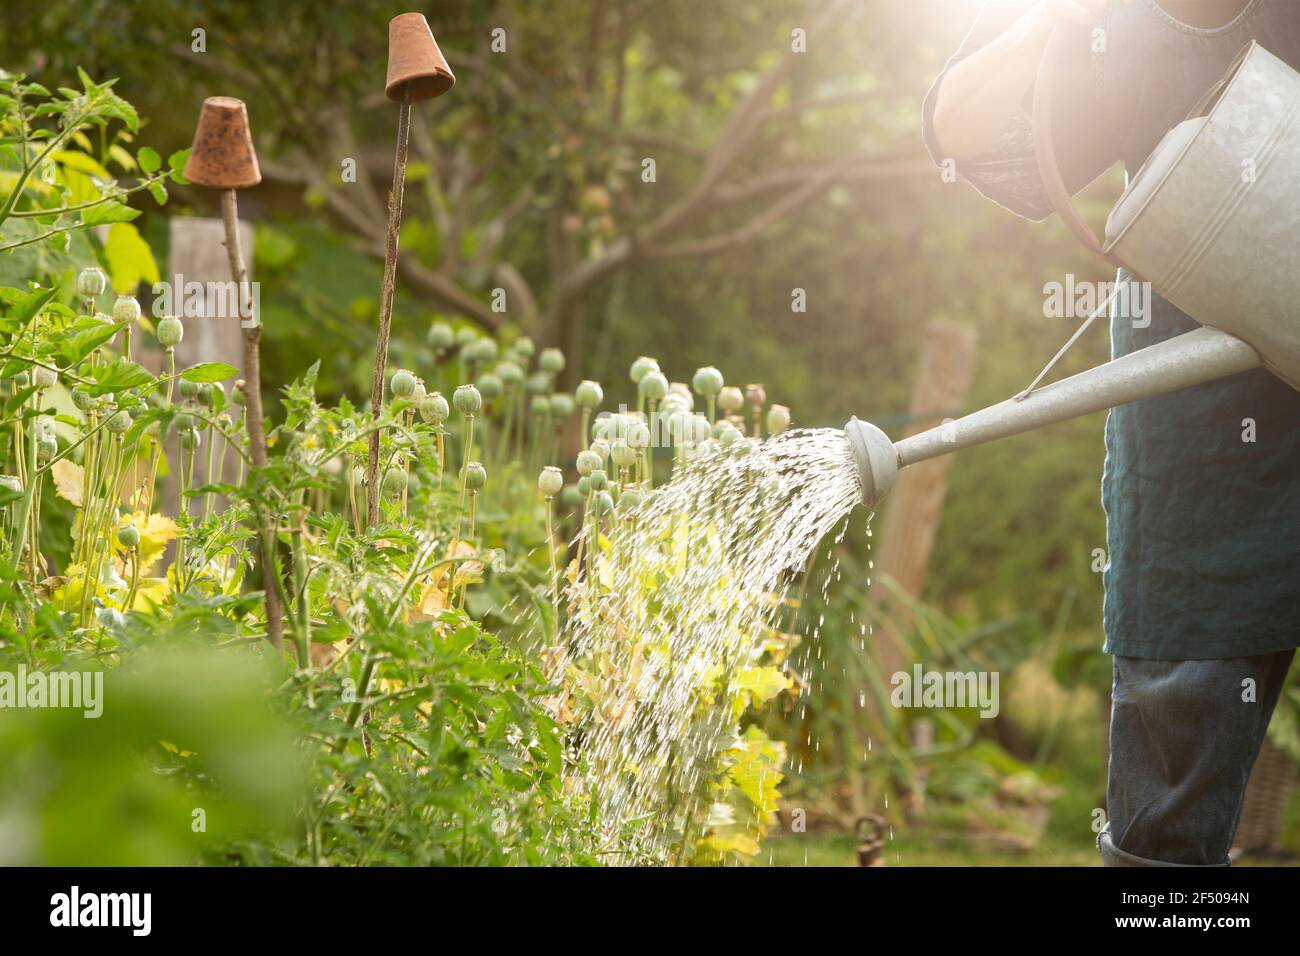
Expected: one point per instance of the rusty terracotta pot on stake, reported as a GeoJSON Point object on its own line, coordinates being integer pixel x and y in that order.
{"type": "Point", "coordinates": [223, 158]}
{"type": "Point", "coordinates": [417, 71]}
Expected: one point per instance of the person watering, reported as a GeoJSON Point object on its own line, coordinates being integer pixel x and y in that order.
{"type": "Point", "coordinates": [1201, 488]}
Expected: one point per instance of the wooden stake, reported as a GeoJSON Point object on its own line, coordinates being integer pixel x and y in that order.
{"type": "Point", "coordinates": [386, 301]}
{"type": "Point", "coordinates": [252, 335]}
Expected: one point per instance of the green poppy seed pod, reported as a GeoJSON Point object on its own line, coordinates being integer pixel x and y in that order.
{"type": "Point", "coordinates": [539, 383]}
{"type": "Point", "coordinates": [46, 448]}
{"type": "Point", "coordinates": [523, 347]}
{"type": "Point", "coordinates": [44, 378]}
{"type": "Point", "coordinates": [584, 488]}
{"type": "Point", "coordinates": [466, 337]}
{"type": "Point", "coordinates": [678, 425]}
{"type": "Point", "coordinates": [653, 385]}
{"type": "Point", "coordinates": [475, 476]}
{"type": "Point", "coordinates": [707, 381]}
{"type": "Point", "coordinates": [434, 409]}
{"type": "Point", "coordinates": [510, 373]}
{"type": "Point", "coordinates": [91, 282]}
{"type": "Point", "coordinates": [550, 482]}
{"type": "Point", "coordinates": [12, 483]}
{"type": "Point", "coordinates": [83, 399]}
{"type": "Point", "coordinates": [730, 399]}
{"type": "Point", "coordinates": [638, 435]}
{"type": "Point", "coordinates": [189, 390]}
{"type": "Point", "coordinates": [190, 438]}
{"type": "Point", "coordinates": [486, 351]}
{"type": "Point", "coordinates": [170, 331]}
{"type": "Point", "coordinates": [603, 427]}
{"type": "Point", "coordinates": [623, 454]}
{"type": "Point", "coordinates": [674, 402]}
{"type": "Point", "coordinates": [467, 400]}
{"type": "Point", "coordinates": [778, 419]}
{"type": "Point", "coordinates": [756, 396]}
{"type": "Point", "coordinates": [237, 394]}
{"type": "Point", "coordinates": [402, 384]}
{"type": "Point", "coordinates": [551, 361]}
{"type": "Point", "coordinates": [700, 429]}
{"type": "Point", "coordinates": [601, 448]}
{"type": "Point", "coordinates": [562, 405]}
{"type": "Point", "coordinates": [603, 504]}
{"type": "Point", "coordinates": [589, 394]}
{"type": "Point", "coordinates": [128, 535]}
{"type": "Point", "coordinates": [570, 497]}
{"type": "Point", "coordinates": [599, 479]}
{"type": "Point", "coordinates": [184, 421]}
{"type": "Point", "coordinates": [205, 394]}
{"type": "Point", "coordinates": [684, 390]}
{"type": "Point", "coordinates": [23, 379]}
{"type": "Point", "coordinates": [441, 336]}
{"type": "Point", "coordinates": [490, 386]}
{"type": "Point", "coordinates": [126, 309]}
{"type": "Point", "coordinates": [589, 461]}
{"type": "Point", "coordinates": [540, 405]}
{"type": "Point", "coordinates": [209, 392]}
{"type": "Point", "coordinates": [394, 482]}
{"type": "Point", "coordinates": [728, 435]}
{"type": "Point", "coordinates": [742, 448]}
{"type": "Point", "coordinates": [119, 423]}
{"type": "Point", "coordinates": [629, 499]}
{"type": "Point", "coordinates": [641, 367]}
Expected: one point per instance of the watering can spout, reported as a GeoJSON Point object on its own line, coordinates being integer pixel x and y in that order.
{"type": "Point", "coordinates": [1185, 360]}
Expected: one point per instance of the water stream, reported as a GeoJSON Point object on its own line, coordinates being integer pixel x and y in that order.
{"type": "Point", "coordinates": [687, 589]}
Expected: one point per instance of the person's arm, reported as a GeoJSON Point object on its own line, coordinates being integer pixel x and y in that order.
{"type": "Point", "coordinates": [979, 95]}
{"type": "Point", "coordinates": [976, 116]}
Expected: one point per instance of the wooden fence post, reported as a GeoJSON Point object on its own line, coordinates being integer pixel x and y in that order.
{"type": "Point", "coordinates": [197, 254]}
{"type": "Point", "coordinates": [913, 508]}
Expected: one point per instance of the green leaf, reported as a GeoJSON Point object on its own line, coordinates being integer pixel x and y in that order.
{"type": "Point", "coordinates": [209, 372]}
{"type": "Point", "coordinates": [107, 213]}
{"type": "Point", "coordinates": [119, 377]}
{"type": "Point", "coordinates": [84, 337]}
{"type": "Point", "coordinates": [149, 160]}
{"type": "Point", "coordinates": [159, 193]}
{"type": "Point", "coordinates": [176, 163]}
{"type": "Point", "coordinates": [17, 401]}
{"type": "Point", "coordinates": [30, 305]}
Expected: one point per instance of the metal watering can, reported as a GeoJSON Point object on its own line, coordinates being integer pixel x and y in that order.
{"type": "Point", "coordinates": [1212, 220]}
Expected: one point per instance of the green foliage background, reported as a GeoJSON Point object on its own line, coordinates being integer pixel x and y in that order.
{"type": "Point", "coordinates": [877, 257]}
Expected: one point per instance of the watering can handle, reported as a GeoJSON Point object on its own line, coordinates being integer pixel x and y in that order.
{"type": "Point", "coordinates": [1045, 149]}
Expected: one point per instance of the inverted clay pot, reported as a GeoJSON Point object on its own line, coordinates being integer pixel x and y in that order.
{"type": "Point", "coordinates": [414, 60]}
{"type": "Point", "coordinates": [223, 156]}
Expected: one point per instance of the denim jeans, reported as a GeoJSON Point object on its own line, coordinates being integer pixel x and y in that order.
{"type": "Point", "coordinates": [1183, 737]}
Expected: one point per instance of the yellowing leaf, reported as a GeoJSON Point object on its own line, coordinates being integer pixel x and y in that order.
{"type": "Point", "coordinates": [130, 260]}
{"type": "Point", "coordinates": [68, 479]}
{"type": "Point", "coordinates": [761, 683]}
{"type": "Point", "coordinates": [156, 532]}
